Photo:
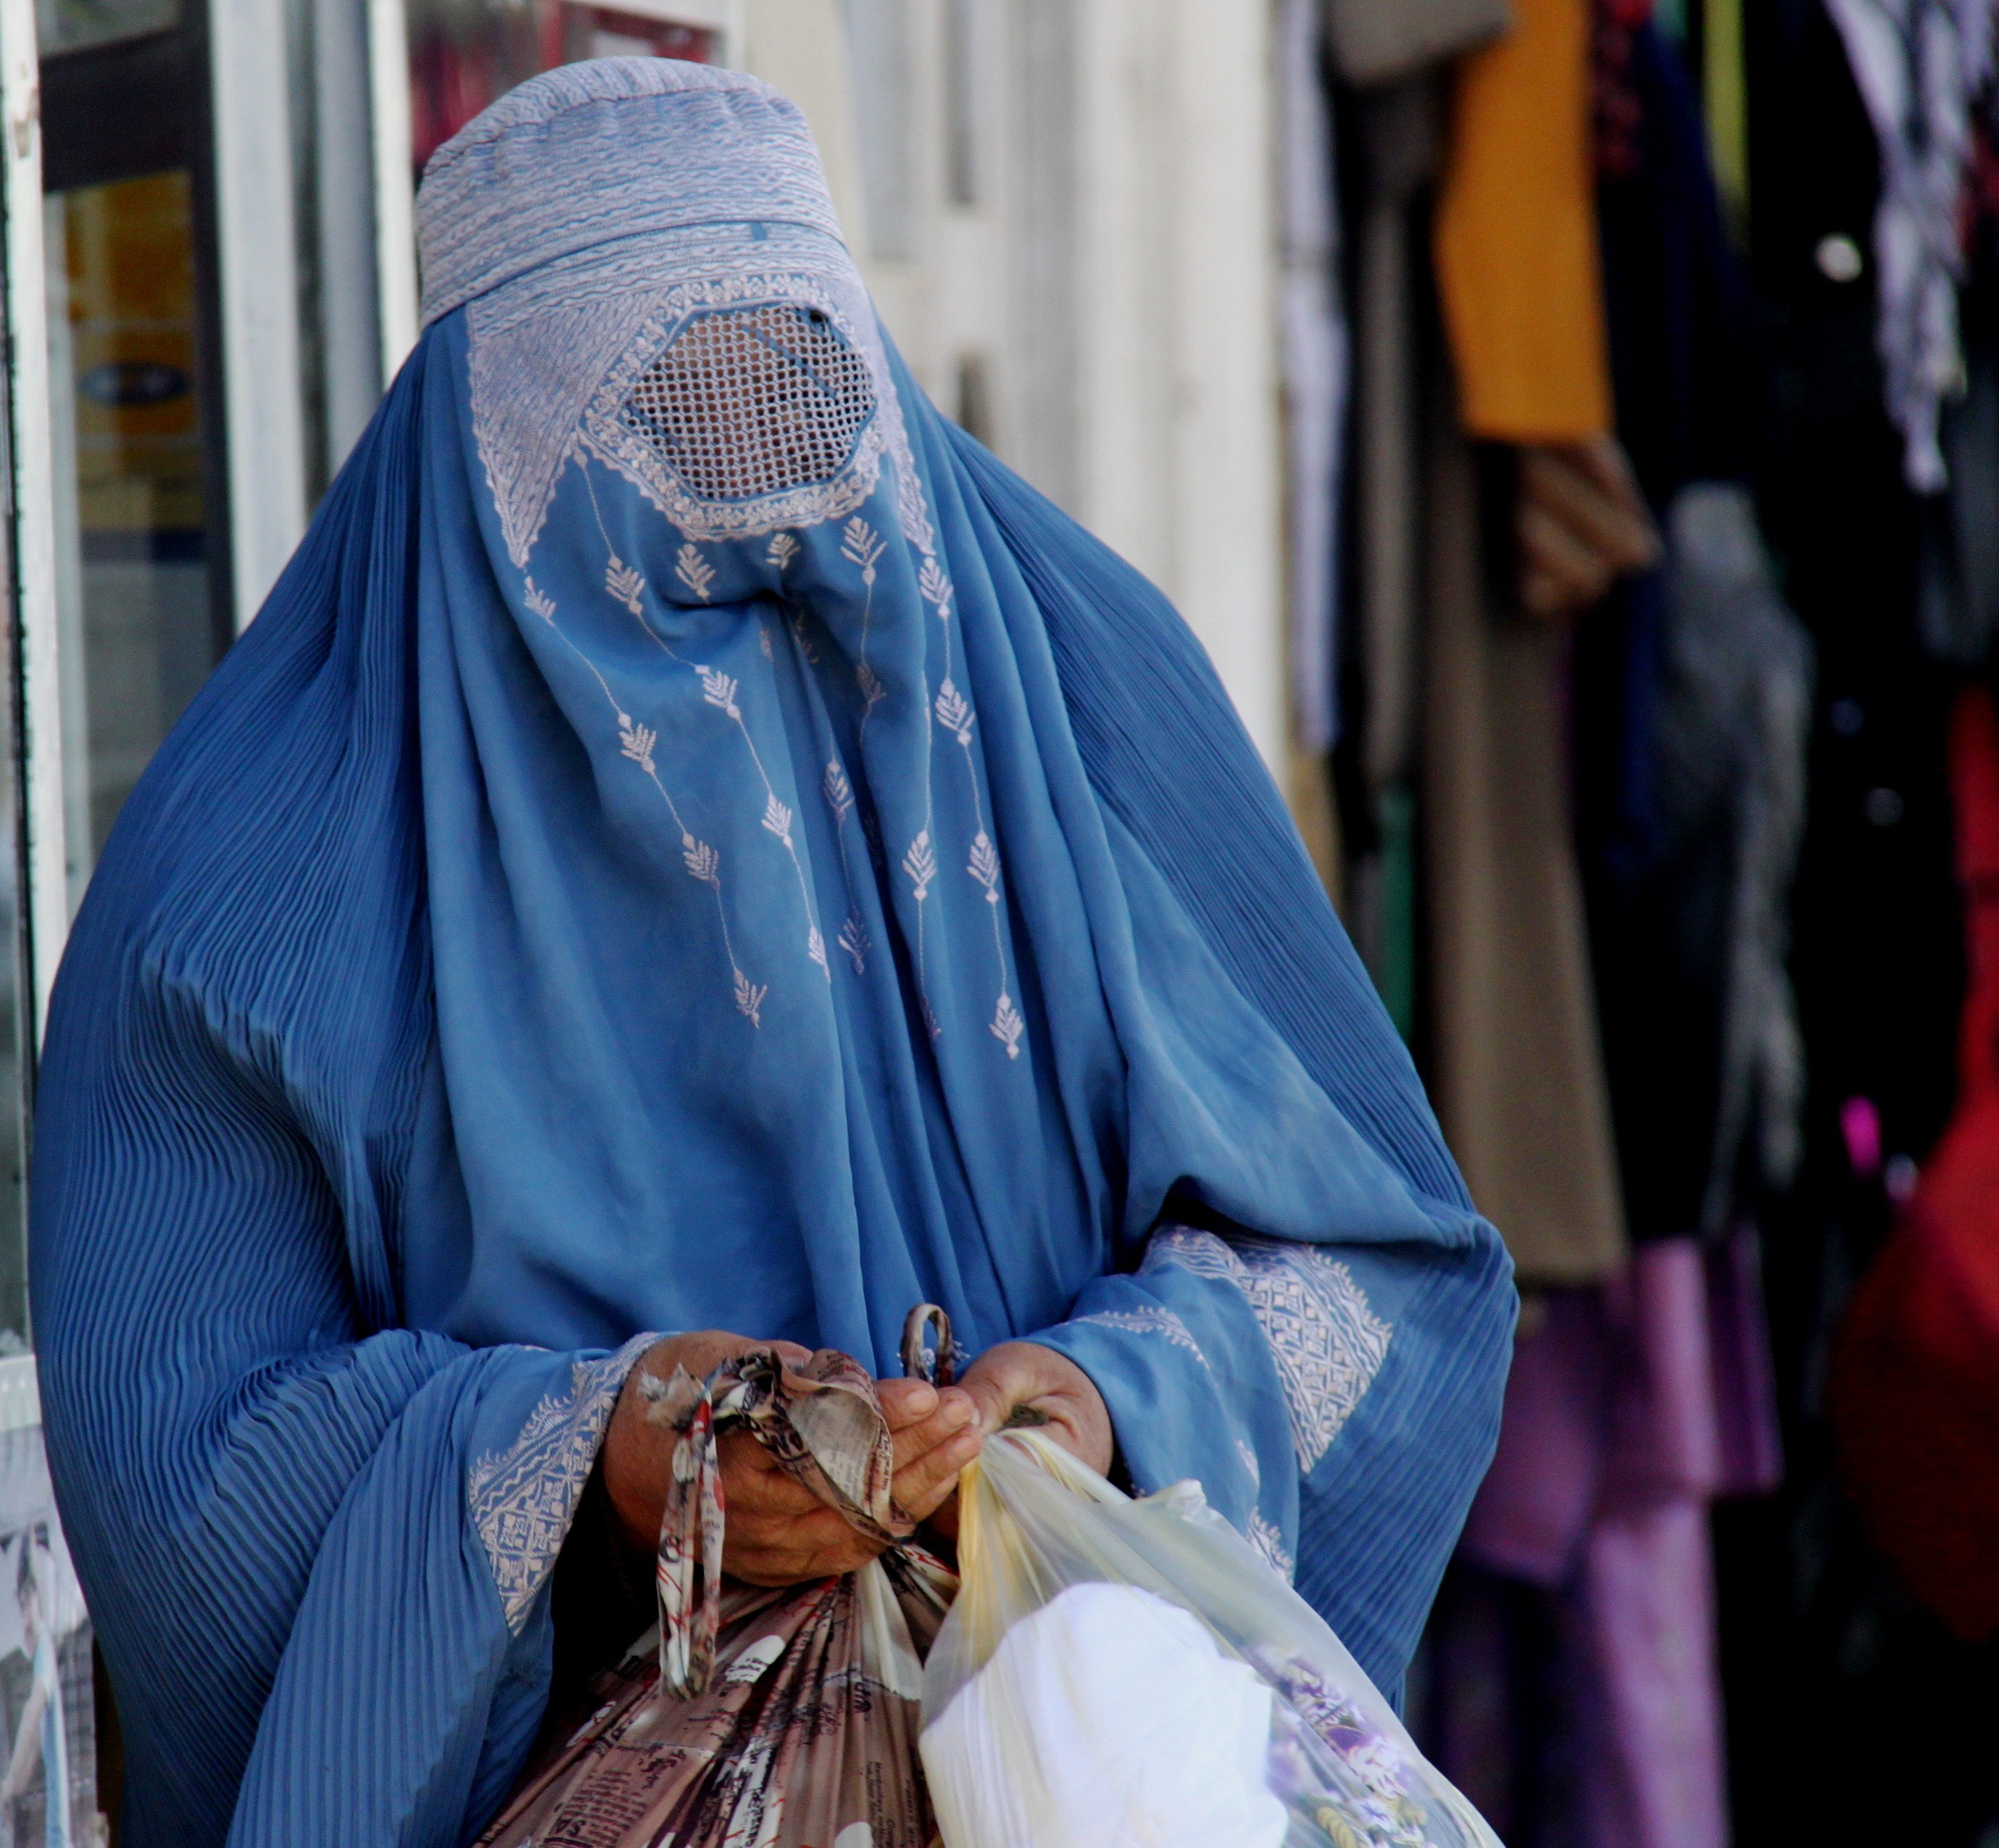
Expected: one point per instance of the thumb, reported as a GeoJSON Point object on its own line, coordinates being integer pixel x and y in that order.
{"type": "Point", "coordinates": [990, 1396]}
{"type": "Point", "coordinates": [1004, 1377]}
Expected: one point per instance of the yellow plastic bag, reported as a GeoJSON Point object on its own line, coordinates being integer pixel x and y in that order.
{"type": "Point", "coordinates": [1116, 1673]}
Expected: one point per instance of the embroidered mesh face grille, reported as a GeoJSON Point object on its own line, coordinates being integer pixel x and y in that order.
{"type": "Point", "coordinates": [747, 402]}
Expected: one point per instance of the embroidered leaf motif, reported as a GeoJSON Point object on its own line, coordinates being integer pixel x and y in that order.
{"type": "Point", "coordinates": [636, 742]}
{"type": "Point", "coordinates": [871, 688]}
{"type": "Point", "coordinates": [854, 940]}
{"type": "Point", "coordinates": [816, 946]}
{"type": "Point", "coordinates": [936, 587]}
{"type": "Point", "coordinates": [805, 641]}
{"type": "Point", "coordinates": [921, 863]}
{"type": "Point", "coordinates": [625, 584]}
{"type": "Point", "coordinates": [702, 860]}
{"type": "Point", "coordinates": [764, 638]}
{"type": "Point", "coordinates": [839, 791]}
{"type": "Point", "coordinates": [541, 603]}
{"type": "Point", "coordinates": [861, 544]}
{"type": "Point", "coordinates": [984, 865]}
{"type": "Point", "coordinates": [783, 549]}
{"type": "Point", "coordinates": [719, 688]}
{"type": "Point", "coordinates": [749, 997]}
{"type": "Point", "coordinates": [1007, 1026]}
{"type": "Point", "coordinates": [694, 570]}
{"type": "Point", "coordinates": [954, 713]}
{"type": "Point", "coordinates": [778, 818]}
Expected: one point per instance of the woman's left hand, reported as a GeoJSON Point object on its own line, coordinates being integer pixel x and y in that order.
{"type": "Point", "coordinates": [1023, 1374]}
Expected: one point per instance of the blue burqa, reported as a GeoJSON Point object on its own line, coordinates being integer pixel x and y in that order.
{"type": "Point", "coordinates": [691, 841]}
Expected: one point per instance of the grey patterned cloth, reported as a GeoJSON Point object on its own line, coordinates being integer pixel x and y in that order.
{"type": "Point", "coordinates": [1731, 757]}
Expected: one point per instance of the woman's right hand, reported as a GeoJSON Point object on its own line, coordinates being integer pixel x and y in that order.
{"type": "Point", "coordinates": [777, 1532]}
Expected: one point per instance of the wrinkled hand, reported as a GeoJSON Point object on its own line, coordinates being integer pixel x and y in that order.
{"type": "Point", "coordinates": [1023, 1376]}
{"type": "Point", "coordinates": [776, 1531]}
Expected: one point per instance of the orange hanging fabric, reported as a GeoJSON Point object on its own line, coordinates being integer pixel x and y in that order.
{"type": "Point", "coordinates": [1516, 235]}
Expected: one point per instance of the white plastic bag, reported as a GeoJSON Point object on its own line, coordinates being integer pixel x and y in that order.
{"type": "Point", "coordinates": [1132, 1674]}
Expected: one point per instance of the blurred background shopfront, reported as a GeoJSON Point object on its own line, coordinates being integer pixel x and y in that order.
{"type": "Point", "coordinates": [1601, 547]}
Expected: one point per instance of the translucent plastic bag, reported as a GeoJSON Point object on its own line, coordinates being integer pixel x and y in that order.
{"type": "Point", "coordinates": [1116, 1672]}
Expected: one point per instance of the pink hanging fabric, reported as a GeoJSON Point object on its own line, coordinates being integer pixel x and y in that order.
{"type": "Point", "coordinates": [1629, 1410]}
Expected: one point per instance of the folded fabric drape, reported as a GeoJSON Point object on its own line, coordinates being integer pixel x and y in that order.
{"type": "Point", "coordinates": [691, 841]}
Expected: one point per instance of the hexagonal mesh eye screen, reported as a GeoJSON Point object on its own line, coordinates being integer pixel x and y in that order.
{"type": "Point", "coordinates": [747, 402]}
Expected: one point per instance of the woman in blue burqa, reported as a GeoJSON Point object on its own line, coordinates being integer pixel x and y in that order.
{"type": "Point", "coordinates": [692, 852]}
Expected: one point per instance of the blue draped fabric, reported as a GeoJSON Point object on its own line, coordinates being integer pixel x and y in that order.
{"type": "Point", "coordinates": [690, 841]}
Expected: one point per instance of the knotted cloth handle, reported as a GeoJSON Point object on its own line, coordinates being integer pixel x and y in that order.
{"type": "Point", "coordinates": [823, 1424]}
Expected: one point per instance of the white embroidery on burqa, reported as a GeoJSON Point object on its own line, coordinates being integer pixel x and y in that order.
{"type": "Point", "coordinates": [635, 742]}
{"type": "Point", "coordinates": [523, 1498]}
{"type": "Point", "coordinates": [624, 385]}
{"type": "Point", "coordinates": [627, 587]}
{"type": "Point", "coordinates": [1328, 1344]}
{"type": "Point", "coordinates": [838, 793]}
{"type": "Point", "coordinates": [862, 546]}
{"type": "Point", "coordinates": [956, 718]}
{"type": "Point", "coordinates": [1149, 1321]}
{"type": "Point", "coordinates": [1263, 1536]}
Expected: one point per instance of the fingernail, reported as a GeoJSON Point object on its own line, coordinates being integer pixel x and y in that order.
{"type": "Point", "coordinates": [921, 1399]}
{"type": "Point", "coordinates": [957, 1410]}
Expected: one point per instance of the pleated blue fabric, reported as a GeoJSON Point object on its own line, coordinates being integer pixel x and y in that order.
{"type": "Point", "coordinates": [690, 841]}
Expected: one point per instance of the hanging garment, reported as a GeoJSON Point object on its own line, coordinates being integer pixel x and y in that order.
{"type": "Point", "coordinates": [1317, 360]}
{"type": "Point", "coordinates": [1957, 593]}
{"type": "Point", "coordinates": [1914, 1394]}
{"type": "Point", "coordinates": [1733, 719]}
{"type": "Point", "coordinates": [1387, 41]}
{"type": "Point", "coordinates": [691, 841]}
{"type": "Point", "coordinates": [1516, 235]}
{"type": "Point", "coordinates": [1585, 1571]}
{"type": "Point", "coordinates": [1693, 700]}
{"type": "Point", "coordinates": [1683, 324]}
{"type": "Point", "coordinates": [1877, 964]}
{"type": "Point", "coordinates": [1518, 1078]}
{"type": "Point", "coordinates": [1395, 128]}
{"type": "Point", "coordinates": [1395, 131]}
{"type": "Point", "coordinates": [1957, 596]}
{"type": "Point", "coordinates": [1918, 64]}
{"type": "Point", "coordinates": [1725, 102]}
